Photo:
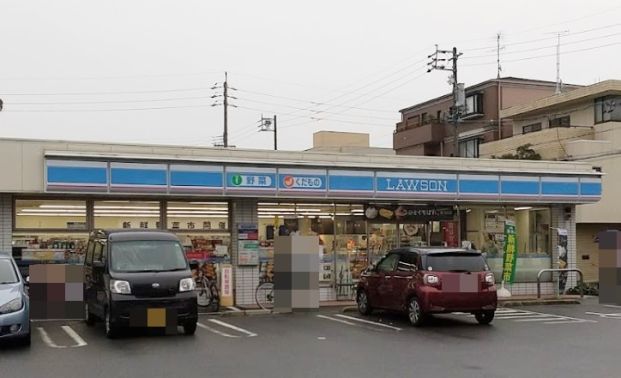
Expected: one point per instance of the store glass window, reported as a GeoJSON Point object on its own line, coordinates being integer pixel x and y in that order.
{"type": "Point", "coordinates": [485, 227]}
{"type": "Point", "coordinates": [351, 246]}
{"type": "Point", "coordinates": [50, 214]}
{"type": "Point", "coordinates": [47, 247]}
{"type": "Point", "coordinates": [117, 214]}
{"type": "Point", "coordinates": [203, 228]}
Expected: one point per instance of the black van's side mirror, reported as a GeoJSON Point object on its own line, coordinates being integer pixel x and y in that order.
{"type": "Point", "coordinates": [98, 265]}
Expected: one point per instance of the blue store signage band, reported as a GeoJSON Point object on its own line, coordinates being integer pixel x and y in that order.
{"type": "Point", "coordinates": [64, 175]}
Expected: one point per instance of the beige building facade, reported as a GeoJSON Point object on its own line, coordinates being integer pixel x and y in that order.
{"type": "Point", "coordinates": [581, 125]}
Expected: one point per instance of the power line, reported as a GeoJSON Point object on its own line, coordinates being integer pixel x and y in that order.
{"type": "Point", "coordinates": [544, 47]}
{"type": "Point", "coordinates": [544, 56]}
{"type": "Point", "coordinates": [298, 108]}
{"type": "Point", "coordinates": [103, 110]}
{"type": "Point", "coordinates": [111, 101]}
{"type": "Point", "coordinates": [103, 93]}
{"type": "Point", "coordinates": [312, 102]}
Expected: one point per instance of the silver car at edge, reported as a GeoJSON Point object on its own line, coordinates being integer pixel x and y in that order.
{"type": "Point", "coordinates": [14, 303]}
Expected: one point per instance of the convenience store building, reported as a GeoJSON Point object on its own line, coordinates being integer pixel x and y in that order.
{"type": "Point", "coordinates": [53, 193]}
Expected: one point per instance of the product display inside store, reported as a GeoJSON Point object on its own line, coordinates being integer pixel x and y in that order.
{"type": "Point", "coordinates": [56, 231]}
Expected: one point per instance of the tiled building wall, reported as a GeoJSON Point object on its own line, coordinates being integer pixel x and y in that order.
{"type": "Point", "coordinates": [6, 223]}
{"type": "Point", "coordinates": [246, 278]}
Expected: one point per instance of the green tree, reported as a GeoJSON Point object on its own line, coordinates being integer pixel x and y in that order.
{"type": "Point", "coordinates": [524, 152]}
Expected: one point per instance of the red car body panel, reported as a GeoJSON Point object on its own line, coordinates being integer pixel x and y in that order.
{"type": "Point", "coordinates": [455, 291]}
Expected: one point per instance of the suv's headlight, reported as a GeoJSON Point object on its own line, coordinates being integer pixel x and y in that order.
{"type": "Point", "coordinates": [489, 278]}
{"type": "Point", "coordinates": [12, 306]}
{"type": "Point", "coordinates": [120, 287]}
{"type": "Point", "coordinates": [186, 284]}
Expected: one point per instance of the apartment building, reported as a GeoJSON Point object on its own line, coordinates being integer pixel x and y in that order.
{"type": "Point", "coordinates": [425, 129]}
{"type": "Point", "coordinates": [580, 125]}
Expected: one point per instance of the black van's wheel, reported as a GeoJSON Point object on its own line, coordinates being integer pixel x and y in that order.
{"type": "Point", "coordinates": [189, 328]}
{"type": "Point", "coordinates": [415, 313]}
{"type": "Point", "coordinates": [484, 317]}
{"type": "Point", "coordinates": [112, 330]}
{"type": "Point", "coordinates": [363, 303]}
{"type": "Point", "coordinates": [89, 319]}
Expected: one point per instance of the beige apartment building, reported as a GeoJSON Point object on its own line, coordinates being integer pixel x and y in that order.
{"type": "Point", "coordinates": [425, 129]}
{"type": "Point", "coordinates": [581, 125]}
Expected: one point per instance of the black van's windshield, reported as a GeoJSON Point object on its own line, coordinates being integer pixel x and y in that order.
{"type": "Point", "coordinates": [147, 256]}
{"type": "Point", "coordinates": [455, 262]}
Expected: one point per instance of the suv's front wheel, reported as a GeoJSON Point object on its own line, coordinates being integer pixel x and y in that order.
{"type": "Point", "coordinates": [415, 312]}
{"type": "Point", "coordinates": [484, 317]}
{"type": "Point", "coordinates": [362, 300]}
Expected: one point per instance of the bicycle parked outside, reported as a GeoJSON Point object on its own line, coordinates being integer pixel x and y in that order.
{"type": "Point", "coordinates": [207, 293]}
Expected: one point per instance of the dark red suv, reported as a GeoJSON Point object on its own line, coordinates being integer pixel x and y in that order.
{"type": "Point", "coordinates": [423, 281]}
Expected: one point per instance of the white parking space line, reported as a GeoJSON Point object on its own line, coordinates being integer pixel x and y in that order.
{"type": "Point", "coordinates": [223, 324]}
{"type": "Point", "coordinates": [368, 322]}
{"type": "Point", "coordinates": [47, 340]}
{"type": "Point", "coordinates": [523, 316]}
{"type": "Point", "coordinates": [612, 306]}
{"type": "Point", "coordinates": [74, 335]}
{"type": "Point", "coordinates": [567, 321]}
{"type": "Point", "coordinates": [605, 315]}
{"type": "Point", "coordinates": [336, 320]}
{"type": "Point", "coordinates": [542, 318]}
{"type": "Point", "coordinates": [233, 308]}
{"type": "Point", "coordinates": [215, 331]}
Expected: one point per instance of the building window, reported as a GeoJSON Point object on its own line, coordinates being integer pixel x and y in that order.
{"type": "Point", "coordinates": [438, 115]}
{"type": "Point", "coordinates": [531, 128]}
{"type": "Point", "coordinates": [127, 214]}
{"type": "Point", "coordinates": [50, 214]}
{"type": "Point", "coordinates": [424, 119]}
{"type": "Point", "coordinates": [474, 104]}
{"type": "Point", "coordinates": [608, 109]}
{"type": "Point", "coordinates": [560, 122]}
{"type": "Point", "coordinates": [469, 148]}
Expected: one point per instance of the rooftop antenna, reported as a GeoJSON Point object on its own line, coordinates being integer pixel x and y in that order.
{"type": "Point", "coordinates": [558, 60]}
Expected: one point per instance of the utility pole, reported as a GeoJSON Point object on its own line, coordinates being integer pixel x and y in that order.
{"type": "Point", "coordinates": [269, 124]}
{"type": "Point", "coordinates": [225, 136]}
{"type": "Point", "coordinates": [225, 103]}
{"type": "Point", "coordinates": [458, 91]}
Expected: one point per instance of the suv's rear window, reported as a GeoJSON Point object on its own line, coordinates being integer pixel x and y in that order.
{"type": "Point", "coordinates": [455, 262]}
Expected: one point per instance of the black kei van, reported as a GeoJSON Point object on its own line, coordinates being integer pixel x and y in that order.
{"type": "Point", "coordinates": [138, 278]}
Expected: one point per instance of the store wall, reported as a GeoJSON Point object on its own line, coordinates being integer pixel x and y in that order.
{"type": "Point", "coordinates": [6, 223]}
{"type": "Point", "coordinates": [587, 259]}
{"type": "Point", "coordinates": [246, 278]}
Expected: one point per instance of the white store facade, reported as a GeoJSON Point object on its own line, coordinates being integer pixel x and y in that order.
{"type": "Point", "coordinates": [54, 193]}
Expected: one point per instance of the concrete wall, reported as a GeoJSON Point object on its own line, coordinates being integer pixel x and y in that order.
{"type": "Point", "coordinates": [549, 143]}
{"type": "Point", "coordinates": [588, 249]}
{"type": "Point", "coordinates": [340, 139]}
{"type": "Point", "coordinates": [607, 209]}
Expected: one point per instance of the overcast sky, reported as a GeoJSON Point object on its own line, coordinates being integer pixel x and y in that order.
{"type": "Point", "coordinates": [142, 71]}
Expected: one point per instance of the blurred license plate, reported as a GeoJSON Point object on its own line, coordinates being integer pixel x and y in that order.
{"type": "Point", "coordinates": [156, 317]}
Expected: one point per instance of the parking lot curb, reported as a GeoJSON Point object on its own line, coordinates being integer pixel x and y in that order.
{"type": "Point", "coordinates": [238, 313]}
{"type": "Point", "coordinates": [527, 302]}
{"type": "Point", "coordinates": [349, 309]}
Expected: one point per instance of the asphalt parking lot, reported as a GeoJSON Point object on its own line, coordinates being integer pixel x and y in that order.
{"type": "Point", "coordinates": [563, 340]}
